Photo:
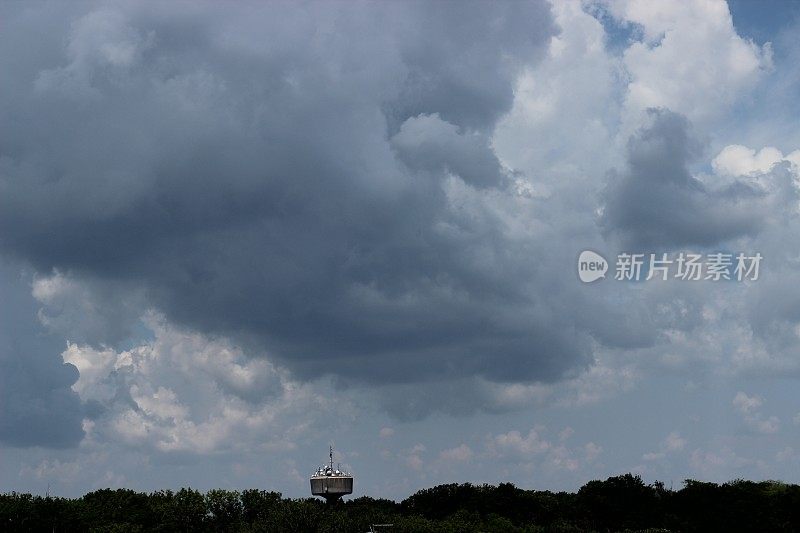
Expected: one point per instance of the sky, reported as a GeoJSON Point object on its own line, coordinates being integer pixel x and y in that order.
{"type": "Point", "coordinates": [233, 235]}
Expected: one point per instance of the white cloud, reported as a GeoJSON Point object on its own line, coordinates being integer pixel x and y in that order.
{"type": "Point", "coordinates": [516, 444]}
{"type": "Point", "coordinates": [674, 442]}
{"type": "Point", "coordinates": [691, 59]}
{"type": "Point", "coordinates": [185, 392]}
{"type": "Point", "coordinates": [86, 310]}
{"type": "Point", "coordinates": [768, 425]}
{"type": "Point", "coordinates": [561, 459]}
{"type": "Point", "coordinates": [738, 160]}
{"type": "Point", "coordinates": [723, 464]}
{"type": "Point", "coordinates": [55, 468]}
{"type": "Point", "coordinates": [533, 451]}
{"type": "Point", "coordinates": [413, 457]}
{"type": "Point", "coordinates": [415, 462]}
{"type": "Point", "coordinates": [653, 456]}
{"type": "Point", "coordinates": [749, 407]}
{"type": "Point", "coordinates": [565, 108]}
{"type": "Point", "coordinates": [602, 380]}
{"type": "Point", "coordinates": [592, 451]}
{"type": "Point", "coordinates": [95, 367]}
{"type": "Point", "coordinates": [460, 453]}
{"type": "Point", "coordinates": [747, 404]}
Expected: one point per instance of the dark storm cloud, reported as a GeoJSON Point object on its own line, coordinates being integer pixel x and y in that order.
{"type": "Point", "coordinates": [280, 174]}
{"type": "Point", "coordinates": [459, 61]}
{"type": "Point", "coordinates": [426, 143]}
{"type": "Point", "coordinates": [657, 203]}
{"type": "Point", "coordinates": [37, 405]}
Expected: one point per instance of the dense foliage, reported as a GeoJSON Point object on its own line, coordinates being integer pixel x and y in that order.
{"type": "Point", "coordinates": [622, 503]}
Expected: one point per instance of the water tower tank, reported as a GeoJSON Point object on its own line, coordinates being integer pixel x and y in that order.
{"type": "Point", "coordinates": [331, 483]}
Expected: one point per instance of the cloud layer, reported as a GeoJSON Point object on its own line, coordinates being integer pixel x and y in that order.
{"type": "Point", "coordinates": [304, 193]}
{"type": "Point", "coordinates": [244, 232]}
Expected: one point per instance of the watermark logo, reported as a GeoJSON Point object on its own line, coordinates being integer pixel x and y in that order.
{"type": "Point", "coordinates": [591, 266]}
{"type": "Point", "coordinates": [683, 266]}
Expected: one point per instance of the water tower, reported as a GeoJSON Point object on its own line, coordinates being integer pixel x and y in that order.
{"type": "Point", "coordinates": [331, 483]}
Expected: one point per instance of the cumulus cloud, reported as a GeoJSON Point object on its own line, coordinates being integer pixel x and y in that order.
{"type": "Point", "coordinates": [413, 457]}
{"type": "Point", "coordinates": [428, 143]}
{"type": "Point", "coordinates": [323, 202]}
{"type": "Point", "coordinates": [97, 311]}
{"type": "Point", "coordinates": [184, 392]}
{"type": "Point", "coordinates": [738, 160]}
{"type": "Point", "coordinates": [516, 444]}
{"type": "Point", "coordinates": [750, 409]}
{"type": "Point", "coordinates": [716, 464]}
{"type": "Point", "coordinates": [392, 194]}
{"type": "Point", "coordinates": [657, 202]}
{"type": "Point", "coordinates": [535, 451]}
{"type": "Point", "coordinates": [460, 453]}
{"type": "Point", "coordinates": [673, 443]}
{"type": "Point", "coordinates": [39, 406]}
{"type": "Point", "coordinates": [690, 58]}
{"type": "Point", "coordinates": [561, 129]}
{"type": "Point", "coordinates": [323, 199]}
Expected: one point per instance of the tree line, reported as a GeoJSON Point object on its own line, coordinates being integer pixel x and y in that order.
{"type": "Point", "coordinates": [620, 503]}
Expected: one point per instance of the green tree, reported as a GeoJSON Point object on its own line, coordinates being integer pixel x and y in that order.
{"type": "Point", "coordinates": [259, 506]}
{"type": "Point", "coordinates": [225, 509]}
{"type": "Point", "coordinates": [189, 509]}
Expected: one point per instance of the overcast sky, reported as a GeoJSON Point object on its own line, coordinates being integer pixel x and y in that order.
{"type": "Point", "coordinates": [233, 234]}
